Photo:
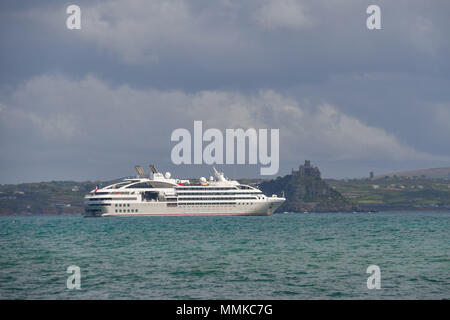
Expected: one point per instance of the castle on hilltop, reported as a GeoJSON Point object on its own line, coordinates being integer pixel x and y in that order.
{"type": "Point", "coordinates": [306, 170]}
{"type": "Point", "coordinates": [305, 190]}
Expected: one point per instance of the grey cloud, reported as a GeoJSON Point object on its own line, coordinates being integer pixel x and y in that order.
{"type": "Point", "coordinates": [101, 123]}
{"type": "Point", "coordinates": [258, 34]}
{"type": "Point", "coordinates": [84, 103]}
{"type": "Point", "coordinates": [282, 14]}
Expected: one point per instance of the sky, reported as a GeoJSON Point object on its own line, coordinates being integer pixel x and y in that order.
{"type": "Point", "coordinates": [90, 104]}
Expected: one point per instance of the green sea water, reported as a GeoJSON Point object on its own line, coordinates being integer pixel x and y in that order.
{"type": "Point", "coordinates": [286, 256]}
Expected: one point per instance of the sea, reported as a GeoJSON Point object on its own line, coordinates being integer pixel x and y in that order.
{"type": "Point", "coordinates": [284, 256]}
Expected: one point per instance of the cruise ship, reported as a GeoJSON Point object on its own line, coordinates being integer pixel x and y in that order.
{"type": "Point", "coordinates": [157, 194]}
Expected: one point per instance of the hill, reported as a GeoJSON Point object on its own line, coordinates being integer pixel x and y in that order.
{"type": "Point", "coordinates": [396, 193]}
{"type": "Point", "coordinates": [305, 190]}
{"type": "Point", "coordinates": [41, 198]}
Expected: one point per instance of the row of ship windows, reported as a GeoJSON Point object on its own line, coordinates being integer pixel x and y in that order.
{"type": "Point", "coordinates": [216, 193]}
{"type": "Point", "coordinates": [126, 210]}
{"type": "Point", "coordinates": [216, 199]}
{"type": "Point", "coordinates": [105, 199]}
{"type": "Point", "coordinates": [209, 188]}
{"type": "Point", "coordinates": [99, 193]}
{"type": "Point", "coordinates": [215, 204]}
{"type": "Point", "coordinates": [186, 199]}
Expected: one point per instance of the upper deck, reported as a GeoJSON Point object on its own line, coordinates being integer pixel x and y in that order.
{"type": "Point", "coordinates": [156, 181]}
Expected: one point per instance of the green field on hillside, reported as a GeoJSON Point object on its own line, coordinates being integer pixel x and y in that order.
{"type": "Point", "coordinates": [395, 193]}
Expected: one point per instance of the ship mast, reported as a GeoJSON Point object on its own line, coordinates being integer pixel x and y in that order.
{"type": "Point", "coordinates": [219, 175]}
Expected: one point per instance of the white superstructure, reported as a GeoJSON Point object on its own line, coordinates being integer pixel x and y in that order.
{"type": "Point", "coordinates": [160, 195]}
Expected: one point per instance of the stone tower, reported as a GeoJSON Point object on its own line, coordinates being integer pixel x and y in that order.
{"type": "Point", "coordinates": [306, 170]}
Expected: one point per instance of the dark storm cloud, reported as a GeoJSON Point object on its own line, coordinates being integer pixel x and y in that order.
{"type": "Point", "coordinates": [314, 61]}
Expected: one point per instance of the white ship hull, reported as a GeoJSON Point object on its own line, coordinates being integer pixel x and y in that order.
{"type": "Point", "coordinates": [265, 208]}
